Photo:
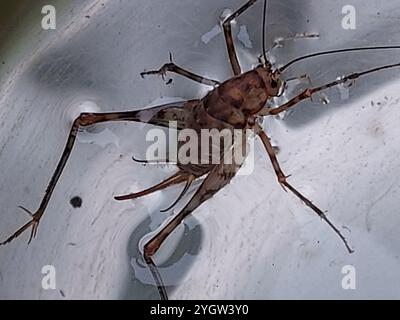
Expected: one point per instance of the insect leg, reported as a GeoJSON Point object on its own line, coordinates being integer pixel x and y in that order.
{"type": "Point", "coordinates": [282, 178]}
{"type": "Point", "coordinates": [219, 176]}
{"type": "Point", "coordinates": [189, 182]}
{"type": "Point", "coordinates": [308, 93]}
{"type": "Point", "coordinates": [177, 178]}
{"type": "Point", "coordinates": [160, 115]}
{"type": "Point", "coordinates": [229, 39]}
{"type": "Point", "coordinates": [172, 67]}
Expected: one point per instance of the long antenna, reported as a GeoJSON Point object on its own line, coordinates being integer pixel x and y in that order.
{"type": "Point", "coordinates": [333, 52]}
{"type": "Point", "coordinates": [264, 27]}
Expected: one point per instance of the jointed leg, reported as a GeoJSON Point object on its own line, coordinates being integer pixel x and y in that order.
{"type": "Point", "coordinates": [283, 181]}
{"type": "Point", "coordinates": [152, 247]}
{"type": "Point", "coordinates": [189, 182]}
{"type": "Point", "coordinates": [217, 178]}
{"type": "Point", "coordinates": [229, 39]}
{"type": "Point", "coordinates": [157, 115]}
{"type": "Point", "coordinates": [34, 223]}
{"type": "Point", "coordinates": [177, 178]}
{"type": "Point", "coordinates": [308, 93]}
{"type": "Point", "coordinates": [172, 67]}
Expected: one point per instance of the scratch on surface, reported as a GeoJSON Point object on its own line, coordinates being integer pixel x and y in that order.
{"type": "Point", "coordinates": [374, 203]}
{"type": "Point", "coordinates": [85, 243]}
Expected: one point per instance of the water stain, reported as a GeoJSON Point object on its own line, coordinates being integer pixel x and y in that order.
{"type": "Point", "coordinates": [140, 283]}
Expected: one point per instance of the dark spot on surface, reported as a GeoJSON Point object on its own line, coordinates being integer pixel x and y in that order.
{"type": "Point", "coordinates": [87, 17]}
{"type": "Point", "coordinates": [169, 82]}
{"type": "Point", "coordinates": [76, 202]}
{"type": "Point", "coordinates": [62, 293]}
{"type": "Point", "coordinates": [3, 62]}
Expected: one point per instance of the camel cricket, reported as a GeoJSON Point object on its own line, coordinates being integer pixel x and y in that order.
{"type": "Point", "coordinates": [238, 103]}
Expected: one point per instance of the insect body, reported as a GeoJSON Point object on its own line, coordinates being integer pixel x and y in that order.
{"type": "Point", "coordinates": [235, 104]}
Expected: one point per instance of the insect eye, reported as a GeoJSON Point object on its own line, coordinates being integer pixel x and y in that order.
{"type": "Point", "coordinates": [274, 84]}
